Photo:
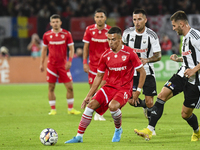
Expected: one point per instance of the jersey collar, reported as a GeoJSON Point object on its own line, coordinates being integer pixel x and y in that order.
{"type": "Point", "coordinates": [141, 33]}
{"type": "Point", "coordinates": [57, 32]}
{"type": "Point", "coordinates": [103, 28]}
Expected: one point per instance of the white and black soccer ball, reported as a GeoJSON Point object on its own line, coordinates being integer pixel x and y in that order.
{"type": "Point", "coordinates": [48, 136]}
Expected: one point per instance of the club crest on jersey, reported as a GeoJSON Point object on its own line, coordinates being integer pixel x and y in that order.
{"type": "Point", "coordinates": [51, 36]}
{"type": "Point", "coordinates": [93, 32]}
{"type": "Point", "coordinates": [144, 42]}
{"type": "Point", "coordinates": [123, 57]}
{"type": "Point", "coordinates": [108, 58]}
{"type": "Point", "coordinates": [62, 36]}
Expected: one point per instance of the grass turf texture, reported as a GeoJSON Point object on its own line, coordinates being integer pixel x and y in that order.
{"type": "Point", "coordinates": [24, 114]}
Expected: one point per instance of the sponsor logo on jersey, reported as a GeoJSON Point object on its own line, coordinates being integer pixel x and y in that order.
{"type": "Point", "coordinates": [93, 32]}
{"type": "Point", "coordinates": [99, 40]}
{"type": "Point", "coordinates": [108, 58]}
{"type": "Point", "coordinates": [132, 39]}
{"type": "Point", "coordinates": [56, 42]}
{"type": "Point", "coordinates": [118, 68]}
{"type": "Point", "coordinates": [186, 53]}
{"type": "Point", "coordinates": [140, 50]}
{"type": "Point", "coordinates": [123, 57]}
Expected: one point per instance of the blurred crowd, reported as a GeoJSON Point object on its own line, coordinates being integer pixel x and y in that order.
{"type": "Point", "coordinates": [80, 8]}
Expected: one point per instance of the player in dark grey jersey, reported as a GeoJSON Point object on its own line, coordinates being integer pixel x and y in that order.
{"type": "Point", "coordinates": [186, 79]}
{"type": "Point", "coordinates": [146, 44]}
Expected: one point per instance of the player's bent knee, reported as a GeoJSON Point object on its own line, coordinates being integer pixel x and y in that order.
{"type": "Point", "coordinates": [113, 106]}
{"type": "Point", "coordinates": [149, 104]}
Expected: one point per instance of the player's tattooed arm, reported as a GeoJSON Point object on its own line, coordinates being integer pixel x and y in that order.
{"type": "Point", "coordinates": [174, 57]}
{"type": "Point", "coordinates": [156, 57]}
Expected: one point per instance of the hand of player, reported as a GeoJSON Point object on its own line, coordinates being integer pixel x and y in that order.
{"type": "Point", "coordinates": [68, 65]}
{"type": "Point", "coordinates": [41, 67]}
{"type": "Point", "coordinates": [85, 102]}
{"type": "Point", "coordinates": [188, 73]}
{"type": "Point", "coordinates": [135, 98]}
{"type": "Point", "coordinates": [174, 57]}
{"type": "Point", "coordinates": [86, 68]}
{"type": "Point", "coordinates": [144, 60]}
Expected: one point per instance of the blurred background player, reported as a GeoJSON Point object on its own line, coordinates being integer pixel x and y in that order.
{"type": "Point", "coordinates": [57, 40]}
{"type": "Point", "coordinates": [166, 45]}
{"type": "Point", "coordinates": [186, 79]}
{"type": "Point", "coordinates": [95, 43]}
{"type": "Point", "coordinates": [35, 46]}
{"type": "Point", "coordinates": [121, 62]}
{"type": "Point", "coordinates": [145, 43]}
{"type": "Point", "coordinates": [4, 53]}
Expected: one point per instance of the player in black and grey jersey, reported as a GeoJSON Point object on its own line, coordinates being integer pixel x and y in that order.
{"type": "Point", "coordinates": [186, 80]}
{"type": "Point", "coordinates": [146, 44]}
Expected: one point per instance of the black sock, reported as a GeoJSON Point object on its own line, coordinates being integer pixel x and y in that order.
{"type": "Point", "coordinates": [142, 103]}
{"type": "Point", "coordinates": [156, 112]}
{"type": "Point", "coordinates": [193, 122]}
{"type": "Point", "coordinates": [149, 113]}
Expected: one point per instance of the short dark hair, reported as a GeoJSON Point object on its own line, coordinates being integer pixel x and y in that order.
{"type": "Point", "coordinates": [55, 16]}
{"type": "Point", "coordinates": [114, 30]}
{"type": "Point", "coordinates": [99, 10]}
{"type": "Point", "coordinates": [139, 11]}
{"type": "Point", "coordinates": [179, 15]}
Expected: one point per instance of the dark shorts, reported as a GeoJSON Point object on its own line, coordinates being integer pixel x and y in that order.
{"type": "Point", "coordinates": [149, 88]}
{"type": "Point", "coordinates": [191, 92]}
{"type": "Point", "coordinates": [176, 84]}
{"type": "Point", "coordinates": [191, 95]}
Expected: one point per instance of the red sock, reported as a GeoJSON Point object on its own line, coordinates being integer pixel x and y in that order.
{"type": "Point", "coordinates": [117, 116]}
{"type": "Point", "coordinates": [85, 120]}
{"type": "Point", "coordinates": [70, 103]}
{"type": "Point", "coordinates": [52, 103]}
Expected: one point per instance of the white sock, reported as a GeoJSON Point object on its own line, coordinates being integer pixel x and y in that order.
{"type": "Point", "coordinates": [195, 131]}
{"type": "Point", "coordinates": [151, 128]}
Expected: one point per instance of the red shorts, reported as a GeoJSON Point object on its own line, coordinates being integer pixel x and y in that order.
{"type": "Point", "coordinates": [58, 72]}
{"type": "Point", "coordinates": [92, 74]}
{"type": "Point", "coordinates": [106, 94]}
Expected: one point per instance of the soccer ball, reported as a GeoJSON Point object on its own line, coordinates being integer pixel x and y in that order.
{"type": "Point", "coordinates": [48, 136]}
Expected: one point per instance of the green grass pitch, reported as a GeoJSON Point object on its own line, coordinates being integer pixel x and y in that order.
{"type": "Point", "coordinates": [24, 114]}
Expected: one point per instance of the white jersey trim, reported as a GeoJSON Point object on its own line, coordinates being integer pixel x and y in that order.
{"type": "Point", "coordinates": [85, 41]}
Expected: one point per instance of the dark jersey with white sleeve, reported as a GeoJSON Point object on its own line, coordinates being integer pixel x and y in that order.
{"type": "Point", "coordinates": [144, 44]}
{"type": "Point", "coordinates": [191, 55]}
